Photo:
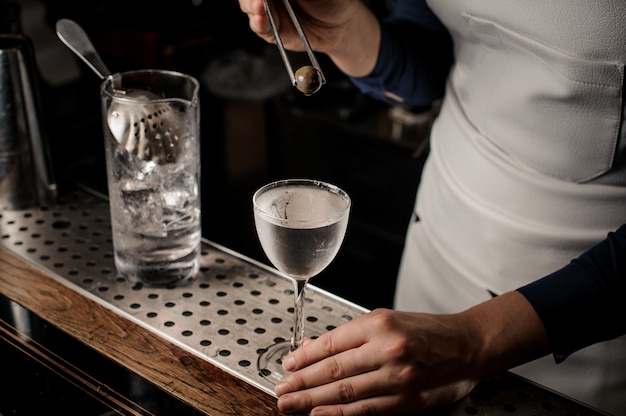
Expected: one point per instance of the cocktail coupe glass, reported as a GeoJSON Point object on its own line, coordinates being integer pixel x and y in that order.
{"type": "Point", "coordinates": [301, 224]}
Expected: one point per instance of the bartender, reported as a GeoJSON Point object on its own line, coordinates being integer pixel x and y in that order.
{"type": "Point", "coordinates": [526, 169]}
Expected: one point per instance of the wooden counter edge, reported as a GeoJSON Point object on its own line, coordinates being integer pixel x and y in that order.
{"type": "Point", "coordinates": [184, 375]}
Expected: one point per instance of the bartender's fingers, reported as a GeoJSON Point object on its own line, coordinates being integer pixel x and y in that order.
{"type": "Point", "coordinates": [401, 403]}
{"type": "Point", "coordinates": [362, 360]}
{"type": "Point", "coordinates": [257, 18]}
{"type": "Point", "coordinates": [348, 336]}
{"type": "Point", "coordinates": [369, 394]}
{"type": "Point", "coordinates": [341, 391]}
{"type": "Point", "coordinates": [347, 390]}
{"type": "Point", "coordinates": [380, 406]}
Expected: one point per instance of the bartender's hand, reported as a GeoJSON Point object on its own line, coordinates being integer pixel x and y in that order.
{"type": "Point", "coordinates": [389, 362]}
{"type": "Point", "coordinates": [384, 362]}
{"type": "Point", "coordinates": [320, 19]}
{"type": "Point", "coordinates": [346, 30]}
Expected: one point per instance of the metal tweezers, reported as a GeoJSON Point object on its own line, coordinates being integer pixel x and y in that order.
{"type": "Point", "coordinates": [279, 42]}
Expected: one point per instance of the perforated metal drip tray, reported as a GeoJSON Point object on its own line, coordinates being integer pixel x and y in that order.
{"type": "Point", "coordinates": [227, 315]}
{"type": "Point", "coordinates": [234, 309]}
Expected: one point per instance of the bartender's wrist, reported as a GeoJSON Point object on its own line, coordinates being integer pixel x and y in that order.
{"type": "Point", "coordinates": [502, 333]}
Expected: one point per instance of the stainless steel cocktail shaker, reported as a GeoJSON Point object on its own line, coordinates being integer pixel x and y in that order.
{"type": "Point", "coordinates": [26, 177]}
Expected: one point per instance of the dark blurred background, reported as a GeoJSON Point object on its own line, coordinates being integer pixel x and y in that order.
{"type": "Point", "coordinates": [255, 127]}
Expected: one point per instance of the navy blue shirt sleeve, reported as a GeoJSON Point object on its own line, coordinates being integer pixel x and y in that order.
{"type": "Point", "coordinates": [414, 58]}
{"type": "Point", "coordinates": [584, 302]}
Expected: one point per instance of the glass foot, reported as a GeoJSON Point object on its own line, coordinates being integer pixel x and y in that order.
{"type": "Point", "coordinates": [270, 362]}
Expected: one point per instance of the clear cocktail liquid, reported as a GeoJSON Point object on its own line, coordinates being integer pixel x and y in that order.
{"type": "Point", "coordinates": [306, 232]}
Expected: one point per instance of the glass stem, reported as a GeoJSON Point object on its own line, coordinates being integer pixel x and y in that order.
{"type": "Point", "coordinates": [298, 327]}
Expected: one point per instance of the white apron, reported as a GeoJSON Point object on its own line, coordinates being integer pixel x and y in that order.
{"type": "Point", "coordinates": [524, 173]}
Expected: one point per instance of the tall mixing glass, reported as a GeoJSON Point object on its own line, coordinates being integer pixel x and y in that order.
{"type": "Point", "coordinates": [301, 224]}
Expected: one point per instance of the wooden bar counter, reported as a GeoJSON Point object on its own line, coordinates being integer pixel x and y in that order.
{"type": "Point", "coordinates": [185, 376]}
{"type": "Point", "coordinates": [75, 338]}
